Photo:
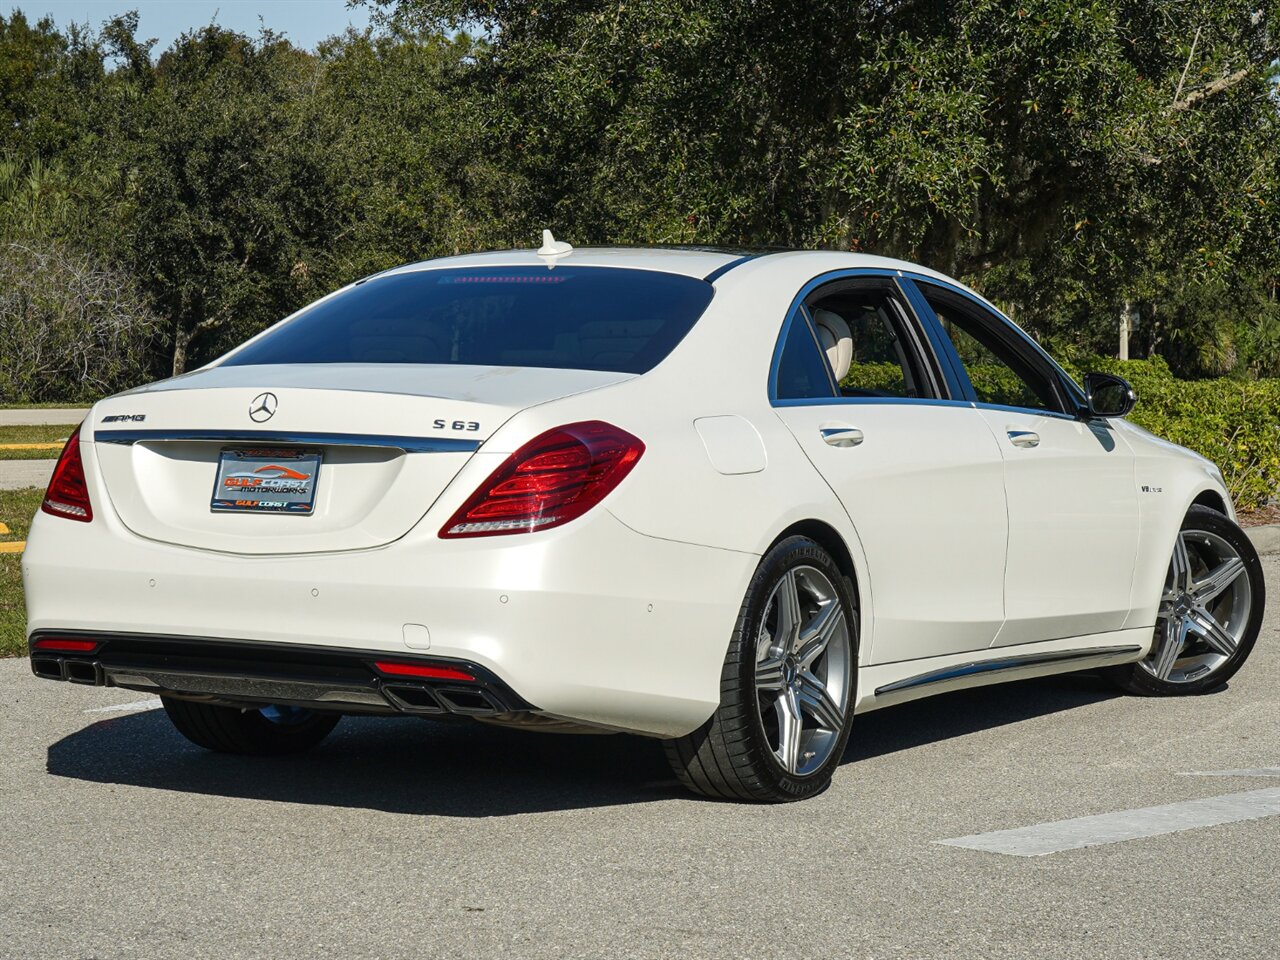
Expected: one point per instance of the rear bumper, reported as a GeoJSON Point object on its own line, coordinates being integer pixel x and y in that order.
{"type": "Point", "coordinates": [591, 622]}
{"type": "Point", "coordinates": [235, 672]}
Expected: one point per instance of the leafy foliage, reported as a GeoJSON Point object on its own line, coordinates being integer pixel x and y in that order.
{"type": "Point", "coordinates": [65, 319]}
{"type": "Point", "coordinates": [1066, 157]}
{"type": "Point", "coordinates": [1236, 424]}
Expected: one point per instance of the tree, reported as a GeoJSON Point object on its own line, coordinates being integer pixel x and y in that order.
{"type": "Point", "coordinates": [1055, 152]}
{"type": "Point", "coordinates": [216, 189]}
{"type": "Point", "coordinates": [71, 328]}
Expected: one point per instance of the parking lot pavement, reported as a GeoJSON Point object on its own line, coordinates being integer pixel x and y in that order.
{"type": "Point", "coordinates": [36, 416]}
{"type": "Point", "coordinates": [16, 474]}
{"type": "Point", "coordinates": [406, 838]}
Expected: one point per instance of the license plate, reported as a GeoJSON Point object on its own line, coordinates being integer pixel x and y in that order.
{"type": "Point", "coordinates": [266, 480]}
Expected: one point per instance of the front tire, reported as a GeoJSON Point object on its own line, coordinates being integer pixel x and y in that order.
{"type": "Point", "coordinates": [787, 688]}
{"type": "Point", "coordinates": [1210, 611]}
{"type": "Point", "coordinates": [270, 731]}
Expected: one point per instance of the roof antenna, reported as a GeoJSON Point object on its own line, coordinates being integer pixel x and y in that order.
{"type": "Point", "coordinates": [551, 247]}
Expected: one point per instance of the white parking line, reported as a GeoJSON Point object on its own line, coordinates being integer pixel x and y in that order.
{"type": "Point", "coordinates": [137, 706]}
{"type": "Point", "coordinates": [1045, 838]}
{"type": "Point", "coordinates": [1254, 772]}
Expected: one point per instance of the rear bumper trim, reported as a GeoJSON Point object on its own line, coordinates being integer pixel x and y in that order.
{"type": "Point", "coordinates": [248, 672]}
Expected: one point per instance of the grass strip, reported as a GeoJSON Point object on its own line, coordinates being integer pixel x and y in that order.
{"type": "Point", "coordinates": [16, 510]}
{"type": "Point", "coordinates": [24, 434]}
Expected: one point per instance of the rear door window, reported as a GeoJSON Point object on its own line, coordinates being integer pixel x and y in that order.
{"type": "Point", "coordinates": [866, 335]}
{"type": "Point", "coordinates": [580, 318]}
{"type": "Point", "coordinates": [802, 372]}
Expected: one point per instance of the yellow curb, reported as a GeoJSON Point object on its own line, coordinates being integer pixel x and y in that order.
{"type": "Point", "coordinates": [13, 546]}
{"type": "Point", "coordinates": [30, 446]}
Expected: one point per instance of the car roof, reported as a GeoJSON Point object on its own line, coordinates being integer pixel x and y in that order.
{"type": "Point", "coordinates": [690, 261]}
{"type": "Point", "coordinates": [709, 263]}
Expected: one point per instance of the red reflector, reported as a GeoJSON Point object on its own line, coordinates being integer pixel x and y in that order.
{"type": "Point", "coordinates": [67, 646]}
{"type": "Point", "coordinates": [68, 493]}
{"type": "Point", "coordinates": [420, 670]}
{"type": "Point", "coordinates": [554, 478]}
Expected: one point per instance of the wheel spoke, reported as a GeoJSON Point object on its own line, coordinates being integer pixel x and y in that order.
{"type": "Point", "coordinates": [1218, 579]}
{"type": "Point", "coordinates": [817, 701]}
{"type": "Point", "coordinates": [1180, 567]}
{"type": "Point", "coordinates": [817, 634]}
{"type": "Point", "coordinates": [763, 642]}
{"type": "Point", "coordinates": [790, 726]}
{"type": "Point", "coordinates": [1172, 639]}
{"type": "Point", "coordinates": [769, 674]}
{"type": "Point", "coordinates": [789, 616]}
{"type": "Point", "coordinates": [1213, 633]}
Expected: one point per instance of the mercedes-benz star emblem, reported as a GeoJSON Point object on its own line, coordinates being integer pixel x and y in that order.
{"type": "Point", "coordinates": [263, 407]}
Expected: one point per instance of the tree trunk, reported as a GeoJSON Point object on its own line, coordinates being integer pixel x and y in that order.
{"type": "Point", "coordinates": [1126, 318]}
{"type": "Point", "coordinates": [181, 341]}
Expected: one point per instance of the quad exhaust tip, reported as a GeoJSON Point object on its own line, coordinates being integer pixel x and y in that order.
{"type": "Point", "coordinates": [87, 672]}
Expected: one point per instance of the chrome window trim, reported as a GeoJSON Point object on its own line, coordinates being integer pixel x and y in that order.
{"type": "Point", "coordinates": [920, 322]}
{"type": "Point", "coordinates": [1070, 388]}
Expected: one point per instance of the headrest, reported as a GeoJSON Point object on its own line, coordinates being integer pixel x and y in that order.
{"type": "Point", "coordinates": [835, 338]}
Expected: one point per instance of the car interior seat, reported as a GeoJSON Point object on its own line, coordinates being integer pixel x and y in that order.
{"type": "Point", "coordinates": [836, 339]}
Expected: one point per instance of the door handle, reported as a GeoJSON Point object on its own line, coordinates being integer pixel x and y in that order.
{"type": "Point", "coordinates": [1024, 438]}
{"type": "Point", "coordinates": [841, 435]}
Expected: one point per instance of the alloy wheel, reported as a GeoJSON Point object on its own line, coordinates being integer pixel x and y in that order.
{"type": "Point", "coordinates": [1204, 610]}
{"type": "Point", "coordinates": [803, 669]}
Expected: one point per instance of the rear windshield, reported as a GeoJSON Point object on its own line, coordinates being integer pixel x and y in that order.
{"type": "Point", "coordinates": [581, 318]}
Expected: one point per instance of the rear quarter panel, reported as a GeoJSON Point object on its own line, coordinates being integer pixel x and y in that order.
{"type": "Point", "coordinates": [721, 369]}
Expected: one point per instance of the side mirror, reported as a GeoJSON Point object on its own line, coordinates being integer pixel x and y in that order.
{"type": "Point", "coordinates": [1108, 396]}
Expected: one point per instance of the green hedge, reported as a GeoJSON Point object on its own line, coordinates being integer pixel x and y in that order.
{"type": "Point", "coordinates": [1235, 423]}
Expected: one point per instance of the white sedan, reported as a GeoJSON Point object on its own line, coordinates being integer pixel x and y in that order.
{"type": "Point", "coordinates": [725, 500]}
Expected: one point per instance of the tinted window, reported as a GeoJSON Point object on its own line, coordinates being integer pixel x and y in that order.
{"type": "Point", "coordinates": [1001, 372]}
{"type": "Point", "coordinates": [802, 371]}
{"type": "Point", "coordinates": [582, 318]}
{"type": "Point", "coordinates": [859, 326]}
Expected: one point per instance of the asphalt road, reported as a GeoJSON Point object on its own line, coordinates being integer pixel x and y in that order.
{"type": "Point", "coordinates": [404, 838]}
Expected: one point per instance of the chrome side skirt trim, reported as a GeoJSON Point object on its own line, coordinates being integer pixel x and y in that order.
{"type": "Point", "coordinates": [1004, 663]}
{"type": "Point", "coordinates": [407, 444]}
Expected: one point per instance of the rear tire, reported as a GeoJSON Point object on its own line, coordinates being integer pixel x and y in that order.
{"type": "Point", "coordinates": [787, 688]}
{"type": "Point", "coordinates": [1210, 611]}
{"type": "Point", "coordinates": [266, 732]}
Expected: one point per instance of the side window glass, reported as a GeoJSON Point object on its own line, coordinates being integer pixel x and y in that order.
{"type": "Point", "coordinates": [998, 374]}
{"type": "Point", "coordinates": [859, 330]}
{"type": "Point", "coordinates": [802, 374]}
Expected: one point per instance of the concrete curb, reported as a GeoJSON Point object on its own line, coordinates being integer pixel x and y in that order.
{"type": "Point", "coordinates": [1266, 538]}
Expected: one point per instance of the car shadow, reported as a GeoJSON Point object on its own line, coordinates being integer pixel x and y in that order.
{"type": "Point", "coordinates": [957, 714]}
{"type": "Point", "coordinates": [412, 766]}
{"type": "Point", "coordinates": [390, 764]}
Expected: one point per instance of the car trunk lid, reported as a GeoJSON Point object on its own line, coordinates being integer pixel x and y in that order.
{"type": "Point", "coordinates": [389, 439]}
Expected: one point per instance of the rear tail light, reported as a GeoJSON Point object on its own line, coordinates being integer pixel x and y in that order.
{"type": "Point", "coordinates": [68, 493]}
{"type": "Point", "coordinates": [555, 477]}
